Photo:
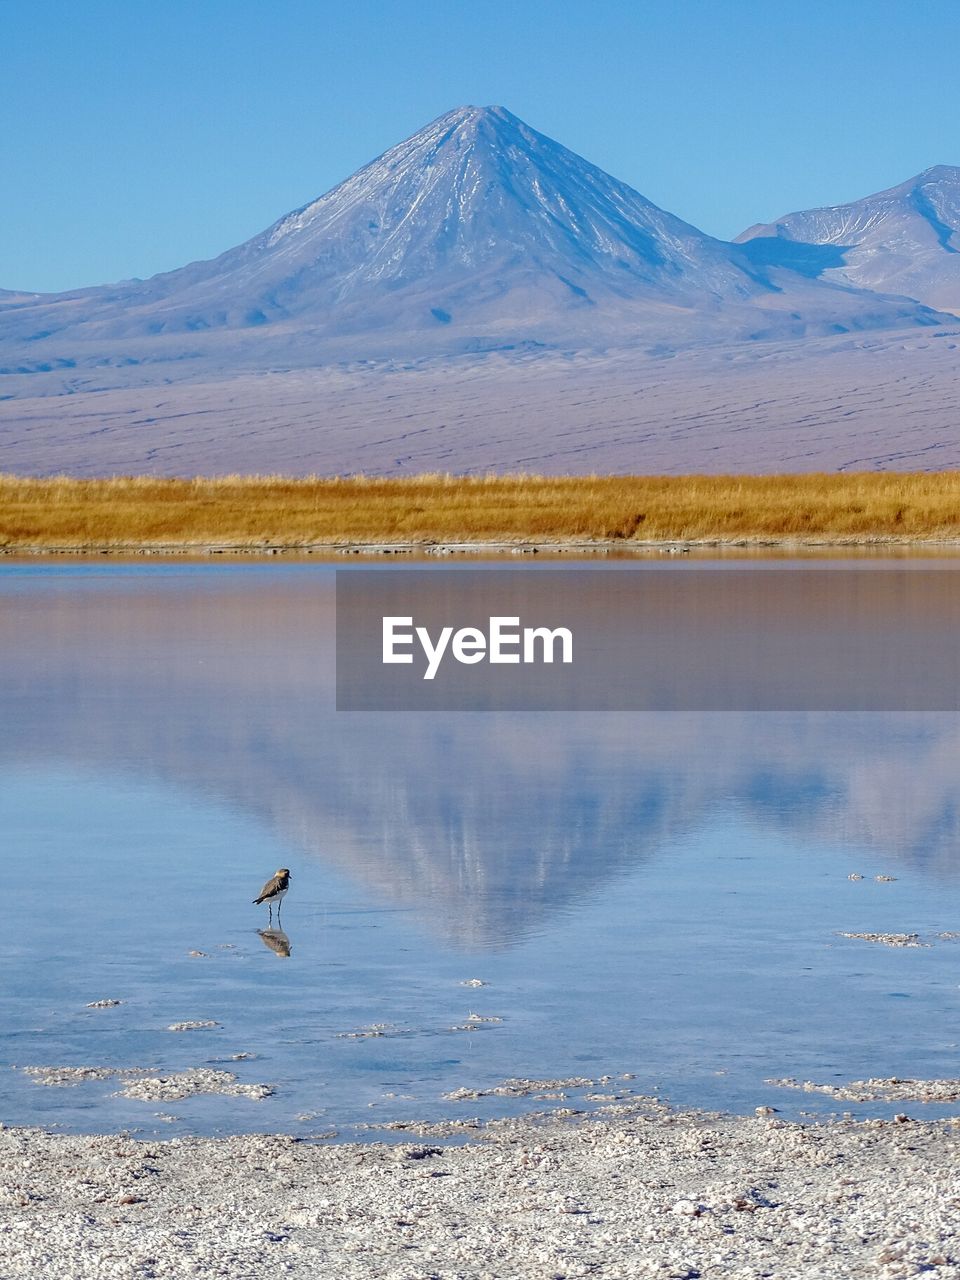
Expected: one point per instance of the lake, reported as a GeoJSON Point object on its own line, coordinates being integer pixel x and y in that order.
{"type": "Point", "coordinates": [649, 901]}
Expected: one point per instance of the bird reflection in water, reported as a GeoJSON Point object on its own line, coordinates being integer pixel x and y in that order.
{"type": "Point", "coordinates": [276, 940]}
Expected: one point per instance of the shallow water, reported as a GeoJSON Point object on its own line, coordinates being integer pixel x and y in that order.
{"type": "Point", "coordinates": [656, 896]}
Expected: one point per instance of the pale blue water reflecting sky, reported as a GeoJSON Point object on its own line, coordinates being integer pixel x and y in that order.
{"type": "Point", "coordinates": [654, 895]}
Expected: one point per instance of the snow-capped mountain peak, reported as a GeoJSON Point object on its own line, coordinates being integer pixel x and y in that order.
{"type": "Point", "coordinates": [477, 187]}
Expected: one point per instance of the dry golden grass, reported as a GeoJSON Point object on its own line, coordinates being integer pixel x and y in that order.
{"type": "Point", "coordinates": [246, 511]}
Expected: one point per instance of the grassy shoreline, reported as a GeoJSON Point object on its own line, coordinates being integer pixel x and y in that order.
{"type": "Point", "coordinates": [257, 513]}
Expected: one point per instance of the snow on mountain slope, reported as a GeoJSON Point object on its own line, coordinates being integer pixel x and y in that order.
{"type": "Point", "coordinates": [476, 232]}
{"type": "Point", "coordinates": [905, 240]}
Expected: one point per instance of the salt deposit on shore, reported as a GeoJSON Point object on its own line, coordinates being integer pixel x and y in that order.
{"type": "Point", "coordinates": [636, 1191]}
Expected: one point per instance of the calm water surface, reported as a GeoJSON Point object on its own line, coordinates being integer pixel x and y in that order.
{"type": "Point", "coordinates": [658, 896]}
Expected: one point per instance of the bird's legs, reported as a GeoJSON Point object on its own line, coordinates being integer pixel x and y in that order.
{"type": "Point", "coordinates": [270, 909]}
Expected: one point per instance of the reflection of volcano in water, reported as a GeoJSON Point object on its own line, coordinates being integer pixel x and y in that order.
{"type": "Point", "coordinates": [484, 824]}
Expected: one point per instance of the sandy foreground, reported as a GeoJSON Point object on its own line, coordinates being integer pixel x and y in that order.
{"type": "Point", "coordinates": [635, 1192]}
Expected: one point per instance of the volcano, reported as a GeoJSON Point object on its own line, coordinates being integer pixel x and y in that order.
{"type": "Point", "coordinates": [476, 233]}
{"type": "Point", "coordinates": [480, 298]}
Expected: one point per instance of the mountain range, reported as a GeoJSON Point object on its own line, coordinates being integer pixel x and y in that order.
{"type": "Point", "coordinates": [476, 237]}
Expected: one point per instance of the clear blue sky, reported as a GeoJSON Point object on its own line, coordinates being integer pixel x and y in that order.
{"type": "Point", "coordinates": [137, 135]}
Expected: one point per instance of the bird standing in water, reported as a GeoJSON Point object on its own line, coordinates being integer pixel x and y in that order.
{"type": "Point", "coordinates": [274, 891]}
